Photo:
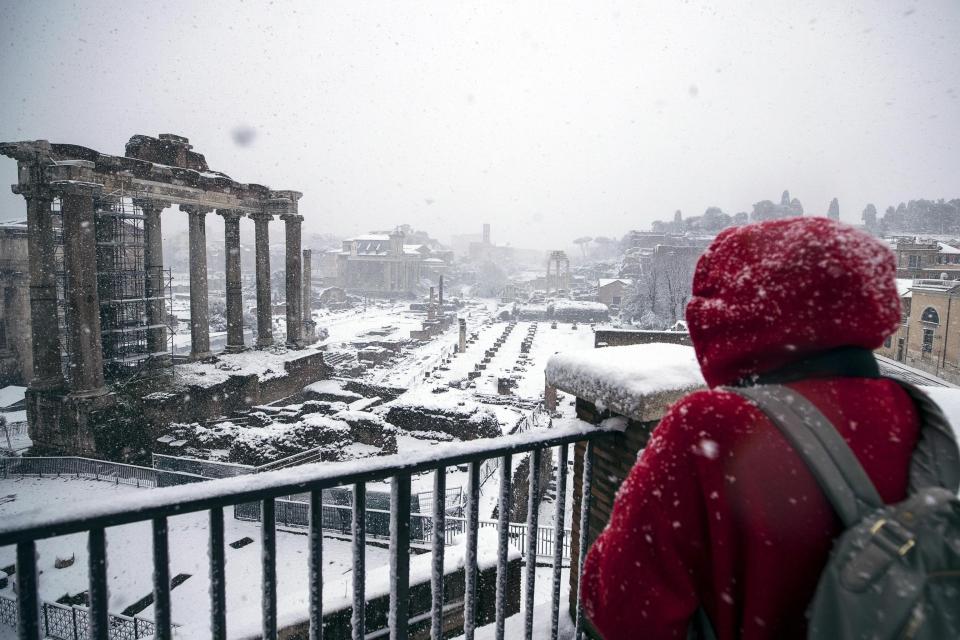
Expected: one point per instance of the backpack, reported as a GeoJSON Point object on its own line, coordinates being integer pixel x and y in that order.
{"type": "Point", "coordinates": [895, 570]}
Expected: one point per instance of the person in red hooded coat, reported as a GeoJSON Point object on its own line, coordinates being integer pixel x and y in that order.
{"type": "Point", "coordinates": [720, 515]}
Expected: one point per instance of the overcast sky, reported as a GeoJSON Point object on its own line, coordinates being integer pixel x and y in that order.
{"type": "Point", "coordinates": [549, 120]}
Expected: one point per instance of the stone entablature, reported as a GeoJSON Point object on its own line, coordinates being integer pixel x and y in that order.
{"type": "Point", "coordinates": [43, 164]}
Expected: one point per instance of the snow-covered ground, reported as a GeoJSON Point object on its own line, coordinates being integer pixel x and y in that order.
{"type": "Point", "coordinates": [129, 565]}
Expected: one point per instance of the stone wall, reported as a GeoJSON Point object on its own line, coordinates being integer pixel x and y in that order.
{"type": "Point", "coordinates": [623, 337]}
{"type": "Point", "coordinates": [122, 425]}
{"type": "Point", "coordinates": [613, 458]}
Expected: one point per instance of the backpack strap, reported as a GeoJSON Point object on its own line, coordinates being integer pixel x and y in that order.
{"type": "Point", "coordinates": [831, 461]}
{"type": "Point", "coordinates": [936, 458]}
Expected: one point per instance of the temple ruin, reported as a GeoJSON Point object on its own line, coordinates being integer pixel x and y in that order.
{"type": "Point", "coordinates": [98, 287]}
{"type": "Point", "coordinates": [558, 271]}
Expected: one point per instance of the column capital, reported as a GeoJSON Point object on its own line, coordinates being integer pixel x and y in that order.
{"type": "Point", "coordinates": [195, 209]}
{"type": "Point", "coordinates": [32, 191]}
{"type": "Point", "coordinates": [291, 217]}
{"type": "Point", "coordinates": [260, 217]}
{"type": "Point", "coordinates": [231, 214]}
{"type": "Point", "coordinates": [151, 205]}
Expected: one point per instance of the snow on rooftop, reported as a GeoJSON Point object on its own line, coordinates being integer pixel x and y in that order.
{"type": "Point", "coordinates": [603, 282]}
{"type": "Point", "coordinates": [945, 248]}
{"type": "Point", "coordinates": [11, 395]}
{"type": "Point", "coordinates": [623, 378]}
{"type": "Point", "coordinates": [903, 286]}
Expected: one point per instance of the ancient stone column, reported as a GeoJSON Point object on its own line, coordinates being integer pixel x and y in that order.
{"type": "Point", "coordinates": [199, 307]}
{"type": "Point", "coordinates": [231, 242]}
{"type": "Point", "coordinates": [154, 285]}
{"type": "Point", "coordinates": [308, 294]}
{"type": "Point", "coordinates": [41, 243]}
{"type": "Point", "coordinates": [84, 344]}
{"type": "Point", "coordinates": [462, 343]}
{"type": "Point", "coordinates": [549, 397]}
{"type": "Point", "coordinates": [440, 299]}
{"type": "Point", "coordinates": [294, 280]}
{"type": "Point", "coordinates": [264, 303]}
{"type": "Point", "coordinates": [307, 285]}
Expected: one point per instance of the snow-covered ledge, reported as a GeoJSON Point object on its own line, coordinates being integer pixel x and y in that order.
{"type": "Point", "coordinates": [637, 381]}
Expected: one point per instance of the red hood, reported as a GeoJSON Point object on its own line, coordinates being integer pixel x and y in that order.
{"type": "Point", "coordinates": [772, 293]}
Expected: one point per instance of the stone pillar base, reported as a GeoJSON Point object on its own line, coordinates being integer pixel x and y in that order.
{"type": "Point", "coordinates": [61, 424]}
{"type": "Point", "coordinates": [201, 356]}
{"type": "Point", "coordinates": [265, 343]}
{"type": "Point", "coordinates": [234, 348]}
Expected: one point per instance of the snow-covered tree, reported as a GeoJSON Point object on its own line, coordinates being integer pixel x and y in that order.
{"type": "Point", "coordinates": [870, 216]}
{"type": "Point", "coordinates": [582, 242]}
{"type": "Point", "coordinates": [834, 211]}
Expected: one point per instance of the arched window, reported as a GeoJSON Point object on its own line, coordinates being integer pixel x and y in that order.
{"type": "Point", "coordinates": [930, 315]}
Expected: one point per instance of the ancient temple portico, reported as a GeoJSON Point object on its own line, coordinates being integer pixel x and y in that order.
{"type": "Point", "coordinates": [70, 193]}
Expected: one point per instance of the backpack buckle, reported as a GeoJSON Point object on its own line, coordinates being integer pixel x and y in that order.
{"type": "Point", "coordinates": [896, 532]}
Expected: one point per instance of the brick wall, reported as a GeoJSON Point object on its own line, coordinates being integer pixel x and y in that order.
{"type": "Point", "coordinates": [614, 456]}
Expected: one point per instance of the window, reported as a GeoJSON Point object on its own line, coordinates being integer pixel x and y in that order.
{"type": "Point", "coordinates": [928, 340]}
{"type": "Point", "coordinates": [914, 261]}
{"type": "Point", "coordinates": [930, 315]}
{"type": "Point", "coordinates": [887, 342]}
{"type": "Point", "coordinates": [3, 335]}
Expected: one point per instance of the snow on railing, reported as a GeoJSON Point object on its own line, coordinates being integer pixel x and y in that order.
{"type": "Point", "coordinates": [23, 530]}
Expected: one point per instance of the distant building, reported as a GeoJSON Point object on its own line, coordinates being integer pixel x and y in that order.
{"type": "Point", "coordinates": [914, 255]}
{"type": "Point", "coordinates": [16, 353]}
{"type": "Point", "coordinates": [895, 347]}
{"type": "Point", "coordinates": [929, 336]}
{"type": "Point", "coordinates": [612, 291]}
{"type": "Point", "coordinates": [382, 264]}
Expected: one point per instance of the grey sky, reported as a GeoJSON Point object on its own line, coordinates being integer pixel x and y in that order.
{"type": "Point", "coordinates": [549, 120]}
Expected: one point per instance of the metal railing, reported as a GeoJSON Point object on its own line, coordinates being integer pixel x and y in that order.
{"type": "Point", "coordinates": [103, 470]}
{"type": "Point", "coordinates": [338, 518]}
{"type": "Point", "coordinates": [23, 530]}
{"type": "Point", "coordinates": [63, 622]}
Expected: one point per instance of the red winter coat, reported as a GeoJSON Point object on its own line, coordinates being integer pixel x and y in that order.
{"type": "Point", "coordinates": [720, 512]}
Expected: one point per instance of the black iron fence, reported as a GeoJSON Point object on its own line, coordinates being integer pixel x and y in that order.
{"type": "Point", "coordinates": [265, 488]}
{"type": "Point", "coordinates": [62, 622]}
{"type": "Point", "coordinates": [94, 469]}
{"type": "Point", "coordinates": [338, 518]}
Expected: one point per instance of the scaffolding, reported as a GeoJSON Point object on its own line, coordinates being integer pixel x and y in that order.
{"type": "Point", "coordinates": [127, 287]}
{"type": "Point", "coordinates": [123, 281]}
